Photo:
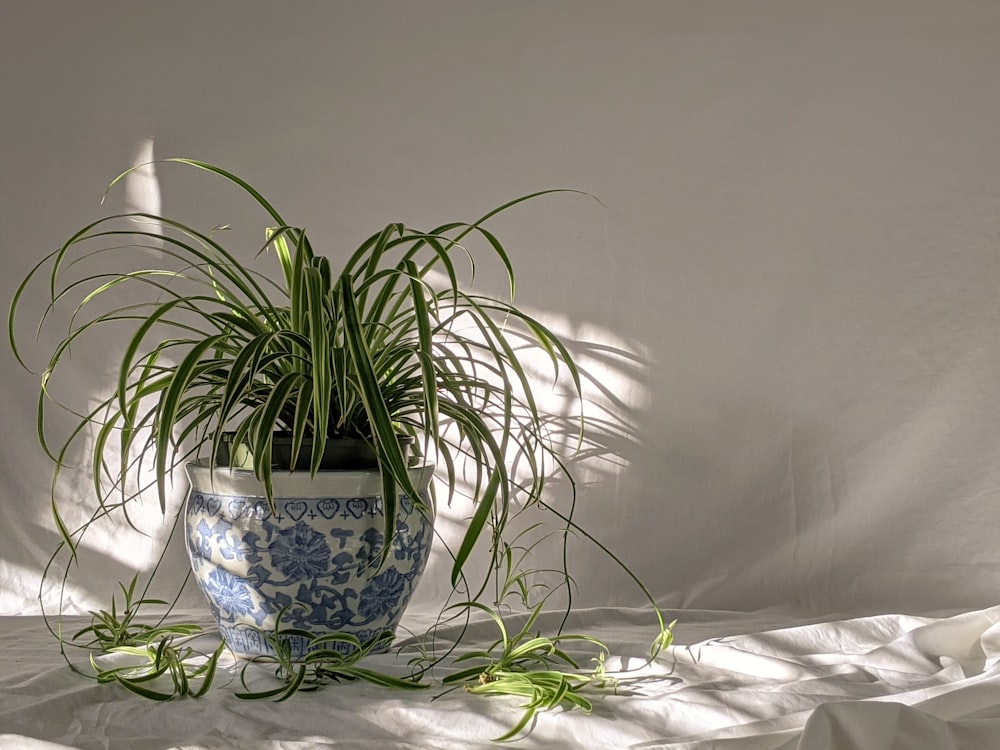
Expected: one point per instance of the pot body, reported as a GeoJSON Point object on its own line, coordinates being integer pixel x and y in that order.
{"type": "Point", "coordinates": [316, 555]}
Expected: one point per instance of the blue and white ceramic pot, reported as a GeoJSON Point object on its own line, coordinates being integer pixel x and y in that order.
{"type": "Point", "coordinates": [316, 555]}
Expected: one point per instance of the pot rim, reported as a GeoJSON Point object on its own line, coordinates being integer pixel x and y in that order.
{"type": "Point", "coordinates": [355, 483]}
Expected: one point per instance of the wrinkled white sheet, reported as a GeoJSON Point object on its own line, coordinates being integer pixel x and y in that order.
{"type": "Point", "coordinates": [879, 682]}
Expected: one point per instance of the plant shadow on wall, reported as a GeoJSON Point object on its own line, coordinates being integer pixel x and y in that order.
{"type": "Point", "coordinates": [309, 413]}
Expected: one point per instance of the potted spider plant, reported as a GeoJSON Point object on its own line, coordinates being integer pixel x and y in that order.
{"type": "Point", "coordinates": [310, 408]}
{"type": "Point", "coordinates": [301, 407]}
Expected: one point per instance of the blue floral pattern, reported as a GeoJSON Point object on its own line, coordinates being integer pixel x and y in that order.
{"type": "Point", "coordinates": [316, 559]}
{"type": "Point", "coordinates": [230, 595]}
{"type": "Point", "coordinates": [382, 595]}
{"type": "Point", "coordinates": [300, 552]}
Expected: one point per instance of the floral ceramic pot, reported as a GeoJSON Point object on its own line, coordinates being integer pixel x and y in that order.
{"type": "Point", "coordinates": [316, 555]}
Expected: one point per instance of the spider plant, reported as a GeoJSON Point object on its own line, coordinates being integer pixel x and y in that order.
{"type": "Point", "coordinates": [371, 351]}
{"type": "Point", "coordinates": [386, 347]}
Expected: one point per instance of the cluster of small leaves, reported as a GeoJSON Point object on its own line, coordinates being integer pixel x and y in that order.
{"type": "Point", "coordinates": [329, 658]}
{"type": "Point", "coordinates": [190, 672]}
{"type": "Point", "coordinates": [109, 628]}
{"type": "Point", "coordinates": [162, 665]}
{"type": "Point", "coordinates": [531, 666]}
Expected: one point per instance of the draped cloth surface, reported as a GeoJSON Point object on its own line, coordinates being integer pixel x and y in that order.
{"type": "Point", "coordinates": [761, 681]}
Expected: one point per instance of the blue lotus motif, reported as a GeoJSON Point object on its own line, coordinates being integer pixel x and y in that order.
{"type": "Point", "coordinates": [300, 552]}
{"type": "Point", "coordinates": [230, 593]}
{"type": "Point", "coordinates": [382, 594]}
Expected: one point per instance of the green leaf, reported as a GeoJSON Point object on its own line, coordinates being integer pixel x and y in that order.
{"type": "Point", "coordinates": [141, 690]}
{"type": "Point", "coordinates": [476, 525]}
{"type": "Point", "coordinates": [384, 680]}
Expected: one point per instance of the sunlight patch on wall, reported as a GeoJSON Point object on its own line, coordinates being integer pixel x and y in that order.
{"type": "Point", "coordinates": [111, 542]}
{"type": "Point", "coordinates": [613, 373]}
{"type": "Point", "coordinates": [18, 585]}
{"type": "Point", "coordinates": [133, 542]}
{"type": "Point", "coordinates": [142, 187]}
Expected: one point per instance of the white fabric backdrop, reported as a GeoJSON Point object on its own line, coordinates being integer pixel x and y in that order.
{"type": "Point", "coordinates": [795, 269]}
{"type": "Point", "coordinates": [787, 302]}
